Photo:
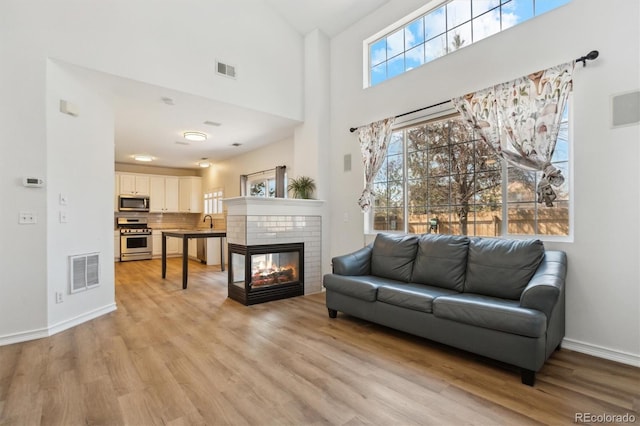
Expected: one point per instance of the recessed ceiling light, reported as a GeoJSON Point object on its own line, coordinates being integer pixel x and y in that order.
{"type": "Point", "coordinates": [212, 123]}
{"type": "Point", "coordinates": [195, 136]}
{"type": "Point", "coordinates": [204, 164]}
{"type": "Point", "coordinates": [145, 158]}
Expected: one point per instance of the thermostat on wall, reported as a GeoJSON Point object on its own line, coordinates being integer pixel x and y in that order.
{"type": "Point", "coordinates": [33, 182]}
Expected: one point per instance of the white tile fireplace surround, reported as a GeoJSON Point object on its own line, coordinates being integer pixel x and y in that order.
{"type": "Point", "coordinates": [259, 221]}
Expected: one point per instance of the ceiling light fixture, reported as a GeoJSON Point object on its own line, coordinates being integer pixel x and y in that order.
{"type": "Point", "coordinates": [195, 136]}
{"type": "Point", "coordinates": [145, 158]}
{"type": "Point", "coordinates": [204, 163]}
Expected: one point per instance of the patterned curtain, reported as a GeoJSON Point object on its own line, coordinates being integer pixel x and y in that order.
{"type": "Point", "coordinates": [520, 119]}
{"type": "Point", "coordinates": [374, 140]}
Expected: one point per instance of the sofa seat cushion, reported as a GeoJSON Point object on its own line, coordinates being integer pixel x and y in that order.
{"type": "Point", "coordinates": [441, 261]}
{"type": "Point", "coordinates": [392, 256]}
{"type": "Point", "coordinates": [364, 287]}
{"type": "Point", "coordinates": [501, 268]}
{"type": "Point", "coordinates": [417, 297]}
{"type": "Point", "coordinates": [493, 313]}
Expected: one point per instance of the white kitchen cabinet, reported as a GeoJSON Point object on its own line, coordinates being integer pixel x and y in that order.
{"type": "Point", "coordinates": [134, 184]}
{"type": "Point", "coordinates": [174, 245]}
{"type": "Point", "coordinates": [164, 194]}
{"type": "Point", "coordinates": [156, 243]}
{"type": "Point", "coordinates": [193, 247]}
{"type": "Point", "coordinates": [116, 193]}
{"type": "Point", "coordinates": [213, 251]}
{"type": "Point", "coordinates": [116, 246]}
{"type": "Point", "coordinates": [190, 194]}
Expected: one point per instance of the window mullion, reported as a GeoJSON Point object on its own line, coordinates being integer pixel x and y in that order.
{"type": "Point", "coordinates": [405, 181]}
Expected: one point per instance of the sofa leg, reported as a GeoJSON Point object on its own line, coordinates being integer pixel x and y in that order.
{"type": "Point", "coordinates": [558, 347]}
{"type": "Point", "coordinates": [332, 313]}
{"type": "Point", "coordinates": [528, 377]}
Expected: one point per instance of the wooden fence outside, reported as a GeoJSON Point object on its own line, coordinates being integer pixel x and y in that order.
{"type": "Point", "coordinates": [551, 221]}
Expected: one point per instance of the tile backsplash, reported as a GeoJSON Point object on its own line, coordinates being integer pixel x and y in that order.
{"type": "Point", "coordinates": [176, 220]}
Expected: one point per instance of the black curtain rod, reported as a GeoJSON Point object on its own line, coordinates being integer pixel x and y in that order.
{"type": "Point", "coordinates": [263, 171]}
{"type": "Point", "coordinates": [588, 57]}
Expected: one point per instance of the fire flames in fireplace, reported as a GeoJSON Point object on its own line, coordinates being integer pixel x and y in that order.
{"type": "Point", "coordinates": [262, 273]}
{"type": "Point", "coordinates": [268, 272]}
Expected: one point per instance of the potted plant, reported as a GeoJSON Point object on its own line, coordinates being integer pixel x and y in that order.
{"type": "Point", "coordinates": [302, 187]}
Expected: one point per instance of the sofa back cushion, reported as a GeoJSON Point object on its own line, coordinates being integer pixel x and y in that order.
{"type": "Point", "coordinates": [393, 255]}
{"type": "Point", "coordinates": [501, 268]}
{"type": "Point", "coordinates": [441, 261]}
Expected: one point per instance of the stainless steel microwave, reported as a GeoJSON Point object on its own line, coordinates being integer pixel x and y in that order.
{"type": "Point", "coordinates": [133, 203]}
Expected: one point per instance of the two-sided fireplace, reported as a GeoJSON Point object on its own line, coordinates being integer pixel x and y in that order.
{"type": "Point", "coordinates": [261, 273]}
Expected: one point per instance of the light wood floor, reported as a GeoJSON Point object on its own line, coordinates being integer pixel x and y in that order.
{"type": "Point", "coordinates": [175, 357]}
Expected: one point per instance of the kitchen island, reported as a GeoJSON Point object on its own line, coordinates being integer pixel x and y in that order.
{"type": "Point", "coordinates": [186, 235]}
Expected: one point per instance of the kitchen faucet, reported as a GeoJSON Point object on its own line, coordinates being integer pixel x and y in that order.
{"type": "Point", "coordinates": [205, 219]}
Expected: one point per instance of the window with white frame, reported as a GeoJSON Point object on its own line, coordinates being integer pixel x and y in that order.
{"type": "Point", "coordinates": [213, 201]}
{"type": "Point", "coordinates": [263, 186]}
{"type": "Point", "coordinates": [445, 28]}
{"type": "Point", "coordinates": [440, 177]}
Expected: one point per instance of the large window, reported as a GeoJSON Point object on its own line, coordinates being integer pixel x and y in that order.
{"type": "Point", "coordinates": [439, 176]}
{"type": "Point", "coordinates": [453, 25]}
{"type": "Point", "coordinates": [263, 187]}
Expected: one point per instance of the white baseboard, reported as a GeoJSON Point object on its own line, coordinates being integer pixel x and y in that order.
{"type": "Point", "coordinates": [602, 352]}
{"type": "Point", "coordinates": [25, 336]}
{"type": "Point", "coordinates": [87, 316]}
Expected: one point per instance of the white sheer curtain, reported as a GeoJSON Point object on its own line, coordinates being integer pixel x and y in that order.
{"type": "Point", "coordinates": [374, 140]}
{"type": "Point", "coordinates": [520, 119]}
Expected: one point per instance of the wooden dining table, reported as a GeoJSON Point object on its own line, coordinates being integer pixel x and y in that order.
{"type": "Point", "coordinates": [186, 235]}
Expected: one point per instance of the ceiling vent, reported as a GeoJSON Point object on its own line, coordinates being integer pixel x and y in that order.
{"type": "Point", "coordinates": [226, 69]}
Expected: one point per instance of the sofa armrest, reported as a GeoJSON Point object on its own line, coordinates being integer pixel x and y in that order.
{"type": "Point", "coordinates": [356, 263]}
{"type": "Point", "coordinates": [547, 284]}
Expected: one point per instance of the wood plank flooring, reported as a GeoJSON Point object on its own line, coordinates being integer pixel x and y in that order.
{"type": "Point", "coordinates": [169, 356]}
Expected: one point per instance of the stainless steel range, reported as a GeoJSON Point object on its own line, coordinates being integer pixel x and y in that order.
{"type": "Point", "coordinates": [135, 239]}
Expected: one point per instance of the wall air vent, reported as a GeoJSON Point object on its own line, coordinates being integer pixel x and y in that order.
{"type": "Point", "coordinates": [226, 69]}
{"type": "Point", "coordinates": [84, 272]}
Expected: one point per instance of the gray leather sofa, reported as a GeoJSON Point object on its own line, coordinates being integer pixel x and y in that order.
{"type": "Point", "coordinates": [502, 299]}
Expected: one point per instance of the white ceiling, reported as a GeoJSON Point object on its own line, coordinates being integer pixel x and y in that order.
{"type": "Point", "coordinates": [144, 124]}
{"type": "Point", "coordinates": [330, 16]}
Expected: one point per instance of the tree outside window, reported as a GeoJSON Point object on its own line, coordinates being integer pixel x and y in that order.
{"type": "Point", "coordinates": [439, 176]}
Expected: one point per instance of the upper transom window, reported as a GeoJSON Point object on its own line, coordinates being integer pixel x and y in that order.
{"type": "Point", "coordinates": [450, 26]}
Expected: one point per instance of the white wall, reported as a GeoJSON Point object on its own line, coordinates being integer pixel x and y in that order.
{"type": "Point", "coordinates": [170, 44]}
{"type": "Point", "coordinates": [603, 298]}
{"type": "Point", "coordinates": [80, 167]}
{"type": "Point", "coordinates": [226, 174]}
